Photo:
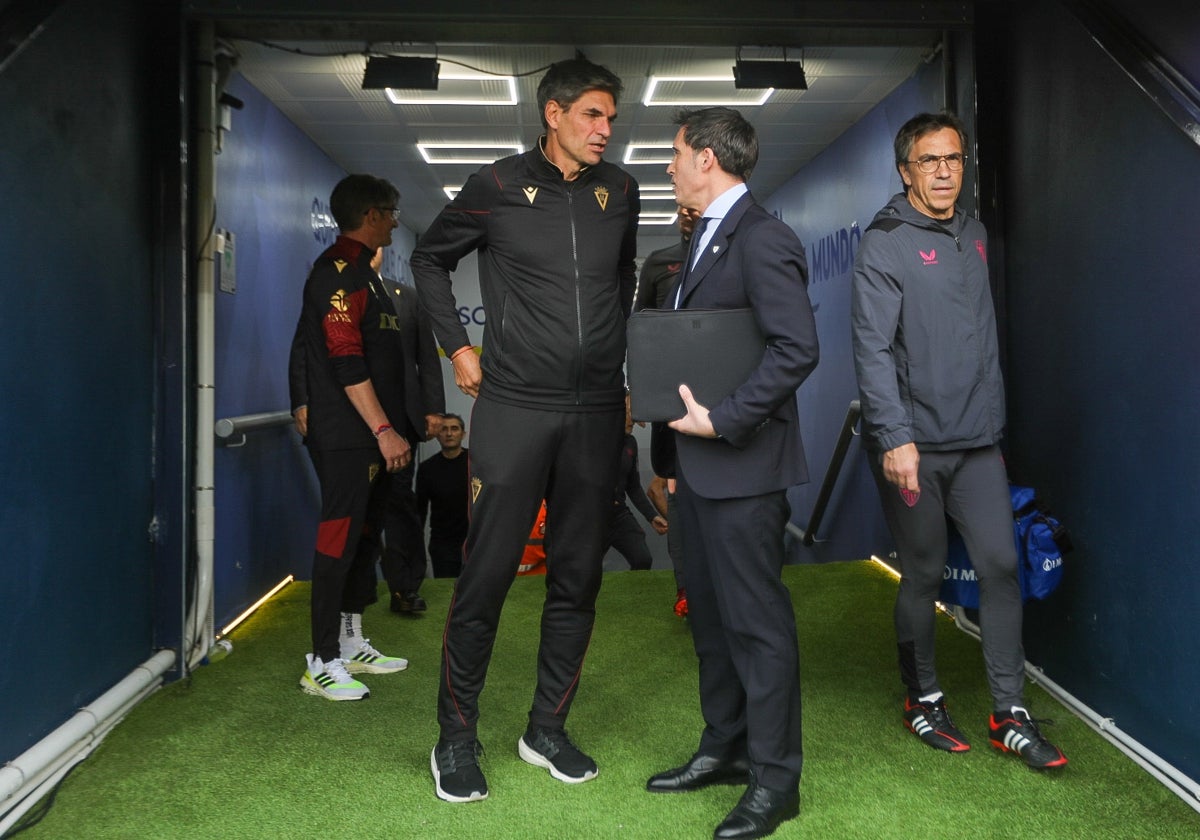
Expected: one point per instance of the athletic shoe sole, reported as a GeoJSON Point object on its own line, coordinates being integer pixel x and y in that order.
{"type": "Point", "coordinates": [353, 667]}
{"type": "Point", "coordinates": [531, 756]}
{"type": "Point", "coordinates": [475, 796]}
{"type": "Point", "coordinates": [309, 687]}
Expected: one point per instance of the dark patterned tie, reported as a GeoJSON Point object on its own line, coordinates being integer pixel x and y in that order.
{"type": "Point", "coordinates": [692, 257]}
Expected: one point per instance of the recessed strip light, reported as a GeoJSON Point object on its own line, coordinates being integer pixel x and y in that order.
{"type": "Point", "coordinates": [638, 153]}
{"type": "Point", "coordinates": [478, 153]}
{"type": "Point", "coordinates": [657, 218]}
{"type": "Point", "coordinates": [451, 192]}
{"type": "Point", "coordinates": [481, 91]}
{"type": "Point", "coordinates": [654, 191]}
{"type": "Point", "coordinates": [250, 610]}
{"type": "Point", "coordinates": [706, 93]}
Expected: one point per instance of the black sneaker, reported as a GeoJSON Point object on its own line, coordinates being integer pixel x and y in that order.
{"type": "Point", "coordinates": [1016, 732]}
{"type": "Point", "coordinates": [456, 773]}
{"type": "Point", "coordinates": [552, 749]}
{"type": "Point", "coordinates": [931, 723]}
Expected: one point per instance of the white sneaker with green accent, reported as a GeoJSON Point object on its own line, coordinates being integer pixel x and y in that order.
{"type": "Point", "coordinates": [331, 680]}
{"type": "Point", "coordinates": [361, 658]}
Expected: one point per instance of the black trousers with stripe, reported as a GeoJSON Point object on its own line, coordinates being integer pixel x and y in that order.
{"type": "Point", "coordinates": [518, 457]}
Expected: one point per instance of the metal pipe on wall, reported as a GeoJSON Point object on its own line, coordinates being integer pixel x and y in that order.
{"type": "Point", "coordinates": [198, 633]}
{"type": "Point", "coordinates": [26, 779]}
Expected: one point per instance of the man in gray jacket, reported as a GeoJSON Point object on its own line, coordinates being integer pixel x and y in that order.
{"type": "Point", "coordinates": [927, 360]}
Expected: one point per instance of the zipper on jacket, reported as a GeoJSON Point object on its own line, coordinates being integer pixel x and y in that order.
{"type": "Point", "coordinates": [578, 299]}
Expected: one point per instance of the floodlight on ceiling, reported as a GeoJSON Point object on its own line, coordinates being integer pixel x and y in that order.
{"type": "Point", "coordinates": [461, 89]}
{"type": "Point", "coordinates": [697, 92]}
{"type": "Point", "coordinates": [780, 75]}
{"type": "Point", "coordinates": [476, 153]}
{"type": "Point", "coordinates": [399, 72]}
{"type": "Point", "coordinates": [776, 75]}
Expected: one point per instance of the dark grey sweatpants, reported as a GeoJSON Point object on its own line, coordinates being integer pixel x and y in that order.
{"type": "Point", "coordinates": [971, 487]}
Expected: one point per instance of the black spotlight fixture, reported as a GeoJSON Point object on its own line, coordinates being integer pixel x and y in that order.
{"type": "Point", "coordinates": [402, 73]}
{"type": "Point", "coordinates": [786, 75]}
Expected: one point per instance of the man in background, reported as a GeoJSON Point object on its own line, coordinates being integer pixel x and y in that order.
{"type": "Point", "coordinates": [357, 430]}
{"type": "Point", "coordinates": [443, 495]}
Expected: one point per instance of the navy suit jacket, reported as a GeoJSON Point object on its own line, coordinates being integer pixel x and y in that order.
{"type": "Point", "coordinates": [754, 261]}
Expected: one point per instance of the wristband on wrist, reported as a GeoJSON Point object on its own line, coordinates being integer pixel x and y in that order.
{"type": "Point", "coordinates": [384, 428]}
{"type": "Point", "coordinates": [465, 349]}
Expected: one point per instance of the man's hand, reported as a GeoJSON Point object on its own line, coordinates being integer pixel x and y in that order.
{"type": "Point", "coordinates": [433, 425]}
{"type": "Point", "coordinates": [900, 467]}
{"type": "Point", "coordinates": [695, 422]}
{"type": "Point", "coordinates": [467, 372]}
{"type": "Point", "coordinates": [301, 415]}
{"type": "Point", "coordinates": [659, 524]}
{"type": "Point", "coordinates": [395, 450]}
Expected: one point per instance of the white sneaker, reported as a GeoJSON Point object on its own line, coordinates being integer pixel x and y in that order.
{"type": "Point", "coordinates": [331, 680]}
{"type": "Point", "coordinates": [361, 658]}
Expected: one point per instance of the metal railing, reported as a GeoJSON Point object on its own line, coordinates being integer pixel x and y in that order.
{"type": "Point", "coordinates": [809, 534]}
{"type": "Point", "coordinates": [231, 431]}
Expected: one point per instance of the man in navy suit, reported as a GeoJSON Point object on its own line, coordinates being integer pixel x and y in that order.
{"type": "Point", "coordinates": [734, 462]}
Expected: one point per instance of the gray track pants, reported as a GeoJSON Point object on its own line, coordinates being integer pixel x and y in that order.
{"type": "Point", "coordinates": [971, 487]}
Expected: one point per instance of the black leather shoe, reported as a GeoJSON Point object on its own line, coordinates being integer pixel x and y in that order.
{"type": "Point", "coordinates": [758, 814]}
{"type": "Point", "coordinates": [408, 602]}
{"type": "Point", "coordinates": [700, 772]}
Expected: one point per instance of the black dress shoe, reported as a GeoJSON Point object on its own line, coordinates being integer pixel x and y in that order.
{"type": "Point", "coordinates": [408, 602]}
{"type": "Point", "coordinates": [758, 814]}
{"type": "Point", "coordinates": [701, 771]}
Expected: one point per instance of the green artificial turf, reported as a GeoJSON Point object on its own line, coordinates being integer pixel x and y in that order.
{"type": "Point", "coordinates": [238, 751]}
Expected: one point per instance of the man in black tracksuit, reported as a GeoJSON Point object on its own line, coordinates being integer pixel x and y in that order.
{"type": "Point", "coordinates": [555, 229]}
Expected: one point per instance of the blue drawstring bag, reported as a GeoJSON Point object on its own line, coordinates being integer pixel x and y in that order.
{"type": "Point", "coordinates": [1041, 541]}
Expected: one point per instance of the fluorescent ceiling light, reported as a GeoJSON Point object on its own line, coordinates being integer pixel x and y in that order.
{"type": "Point", "coordinates": [463, 89]}
{"type": "Point", "coordinates": [451, 192]}
{"type": "Point", "coordinates": [638, 153]}
{"type": "Point", "coordinates": [657, 218]}
{"type": "Point", "coordinates": [700, 91]}
{"type": "Point", "coordinates": [477, 153]}
{"type": "Point", "coordinates": [653, 191]}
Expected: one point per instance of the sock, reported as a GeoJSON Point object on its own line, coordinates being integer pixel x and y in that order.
{"type": "Point", "coordinates": [351, 626]}
{"type": "Point", "coordinates": [931, 698]}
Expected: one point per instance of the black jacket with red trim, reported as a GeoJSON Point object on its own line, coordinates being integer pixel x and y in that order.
{"type": "Point", "coordinates": [556, 273]}
{"type": "Point", "coordinates": [347, 334]}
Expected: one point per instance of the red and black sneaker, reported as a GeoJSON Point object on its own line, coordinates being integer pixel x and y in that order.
{"type": "Point", "coordinates": [681, 606]}
{"type": "Point", "coordinates": [1016, 732]}
{"type": "Point", "coordinates": [932, 724]}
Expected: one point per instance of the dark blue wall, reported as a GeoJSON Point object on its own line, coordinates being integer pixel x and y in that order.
{"type": "Point", "coordinates": [829, 203]}
{"type": "Point", "coordinates": [1103, 301]}
{"type": "Point", "coordinates": [273, 186]}
{"type": "Point", "coordinates": [77, 368]}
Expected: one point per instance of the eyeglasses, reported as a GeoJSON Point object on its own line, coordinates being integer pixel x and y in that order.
{"type": "Point", "coordinates": [393, 212]}
{"type": "Point", "coordinates": [931, 163]}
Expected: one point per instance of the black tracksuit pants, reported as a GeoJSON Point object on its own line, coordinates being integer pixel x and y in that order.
{"type": "Point", "coordinates": [343, 573]}
{"type": "Point", "coordinates": [518, 457]}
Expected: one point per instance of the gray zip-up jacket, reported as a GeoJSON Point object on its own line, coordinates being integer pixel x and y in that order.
{"type": "Point", "coordinates": [924, 333]}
